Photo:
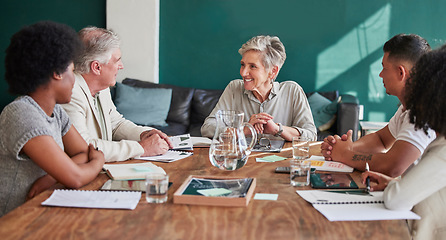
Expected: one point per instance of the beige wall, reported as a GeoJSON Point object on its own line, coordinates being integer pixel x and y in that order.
{"type": "Point", "coordinates": [137, 24]}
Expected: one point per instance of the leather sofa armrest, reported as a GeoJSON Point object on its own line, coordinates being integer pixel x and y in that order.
{"type": "Point", "coordinates": [348, 115]}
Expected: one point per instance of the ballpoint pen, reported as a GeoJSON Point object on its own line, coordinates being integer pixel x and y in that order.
{"type": "Point", "coordinates": [367, 180]}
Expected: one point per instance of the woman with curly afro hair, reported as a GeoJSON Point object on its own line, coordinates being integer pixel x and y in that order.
{"type": "Point", "coordinates": [423, 188]}
{"type": "Point", "coordinates": [38, 144]}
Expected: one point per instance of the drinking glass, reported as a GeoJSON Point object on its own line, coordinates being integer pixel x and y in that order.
{"type": "Point", "coordinates": [156, 187]}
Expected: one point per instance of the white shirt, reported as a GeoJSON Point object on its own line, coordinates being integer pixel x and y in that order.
{"type": "Point", "coordinates": [287, 103]}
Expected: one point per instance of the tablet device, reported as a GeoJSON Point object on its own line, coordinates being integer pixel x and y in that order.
{"type": "Point", "coordinates": [332, 181]}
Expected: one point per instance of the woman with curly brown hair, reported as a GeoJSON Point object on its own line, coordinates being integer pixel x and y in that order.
{"type": "Point", "coordinates": [38, 144]}
{"type": "Point", "coordinates": [423, 188]}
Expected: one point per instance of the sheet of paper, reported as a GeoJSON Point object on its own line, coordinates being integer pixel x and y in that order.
{"type": "Point", "coordinates": [320, 164]}
{"type": "Point", "coordinates": [270, 158]}
{"type": "Point", "coordinates": [93, 199]}
{"type": "Point", "coordinates": [181, 142]}
{"type": "Point", "coordinates": [338, 197]}
{"type": "Point", "coordinates": [214, 192]}
{"type": "Point", "coordinates": [169, 156]}
{"type": "Point", "coordinates": [362, 212]}
{"type": "Point", "coordinates": [266, 196]}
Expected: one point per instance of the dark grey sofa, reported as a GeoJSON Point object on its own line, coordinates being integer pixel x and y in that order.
{"type": "Point", "coordinates": [189, 108]}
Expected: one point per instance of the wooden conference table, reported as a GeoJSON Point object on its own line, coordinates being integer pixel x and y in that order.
{"type": "Point", "coordinates": [290, 217]}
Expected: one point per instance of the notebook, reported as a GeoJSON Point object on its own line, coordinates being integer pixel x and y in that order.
{"type": "Point", "coordinates": [342, 206]}
{"type": "Point", "coordinates": [332, 181]}
{"type": "Point", "coordinates": [93, 199]}
{"type": "Point", "coordinates": [134, 171]}
{"type": "Point", "coordinates": [201, 141]}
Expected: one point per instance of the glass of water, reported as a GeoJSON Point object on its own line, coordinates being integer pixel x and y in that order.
{"type": "Point", "coordinates": [156, 187]}
{"type": "Point", "coordinates": [300, 165]}
{"type": "Point", "coordinates": [301, 148]}
{"type": "Point", "coordinates": [300, 172]}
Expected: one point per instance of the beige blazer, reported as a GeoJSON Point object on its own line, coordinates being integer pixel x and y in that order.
{"type": "Point", "coordinates": [423, 187]}
{"type": "Point", "coordinates": [120, 141]}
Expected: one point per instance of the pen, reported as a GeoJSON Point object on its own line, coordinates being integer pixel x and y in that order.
{"type": "Point", "coordinates": [367, 180]}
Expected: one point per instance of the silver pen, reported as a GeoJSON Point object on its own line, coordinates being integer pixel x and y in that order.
{"type": "Point", "coordinates": [367, 180]}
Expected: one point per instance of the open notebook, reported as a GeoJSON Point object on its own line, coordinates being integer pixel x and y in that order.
{"type": "Point", "coordinates": [93, 199]}
{"type": "Point", "coordinates": [359, 206]}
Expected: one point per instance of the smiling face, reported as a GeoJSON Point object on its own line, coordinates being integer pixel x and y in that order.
{"type": "Point", "coordinates": [255, 76]}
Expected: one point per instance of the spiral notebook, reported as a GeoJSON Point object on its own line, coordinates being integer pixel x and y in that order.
{"type": "Point", "coordinates": [93, 199]}
{"type": "Point", "coordinates": [342, 206]}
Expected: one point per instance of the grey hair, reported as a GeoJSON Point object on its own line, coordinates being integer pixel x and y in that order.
{"type": "Point", "coordinates": [99, 45]}
{"type": "Point", "coordinates": [271, 49]}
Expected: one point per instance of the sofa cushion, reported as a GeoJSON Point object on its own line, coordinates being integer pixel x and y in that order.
{"type": "Point", "coordinates": [203, 103]}
{"type": "Point", "coordinates": [323, 110]}
{"type": "Point", "coordinates": [143, 106]}
{"type": "Point", "coordinates": [180, 108]}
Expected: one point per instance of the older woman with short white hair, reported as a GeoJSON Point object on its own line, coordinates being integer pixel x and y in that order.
{"type": "Point", "coordinates": [279, 109]}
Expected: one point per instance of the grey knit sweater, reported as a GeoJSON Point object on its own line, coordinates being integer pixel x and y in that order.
{"type": "Point", "coordinates": [20, 121]}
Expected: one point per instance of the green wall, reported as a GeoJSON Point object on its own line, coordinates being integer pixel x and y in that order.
{"type": "Point", "coordinates": [331, 44]}
{"type": "Point", "coordinates": [16, 14]}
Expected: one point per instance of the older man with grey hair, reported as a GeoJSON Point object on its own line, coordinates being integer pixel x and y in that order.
{"type": "Point", "coordinates": [91, 108]}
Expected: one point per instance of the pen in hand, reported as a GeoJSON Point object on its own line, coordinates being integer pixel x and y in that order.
{"type": "Point", "coordinates": [367, 180]}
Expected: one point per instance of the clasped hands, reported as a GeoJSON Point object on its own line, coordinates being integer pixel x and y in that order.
{"type": "Point", "coordinates": [334, 148]}
{"type": "Point", "coordinates": [263, 123]}
{"type": "Point", "coordinates": [155, 142]}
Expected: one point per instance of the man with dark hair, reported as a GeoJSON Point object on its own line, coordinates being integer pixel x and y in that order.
{"type": "Point", "coordinates": [393, 149]}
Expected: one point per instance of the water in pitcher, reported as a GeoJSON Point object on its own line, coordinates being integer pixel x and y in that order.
{"type": "Point", "coordinates": [229, 149]}
{"type": "Point", "coordinates": [225, 160]}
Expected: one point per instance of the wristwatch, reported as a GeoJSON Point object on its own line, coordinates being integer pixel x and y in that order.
{"type": "Point", "coordinates": [280, 130]}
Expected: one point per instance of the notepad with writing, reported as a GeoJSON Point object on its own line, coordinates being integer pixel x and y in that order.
{"type": "Point", "coordinates": [93, 199]}
{"type": "Point", "coordinates": [134, 171]}
{"type": "Point", "coordinates": [340, 206]}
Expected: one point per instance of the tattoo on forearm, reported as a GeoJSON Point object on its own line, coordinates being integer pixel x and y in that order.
{"type": "Point", "coordinates": [358, 157]}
